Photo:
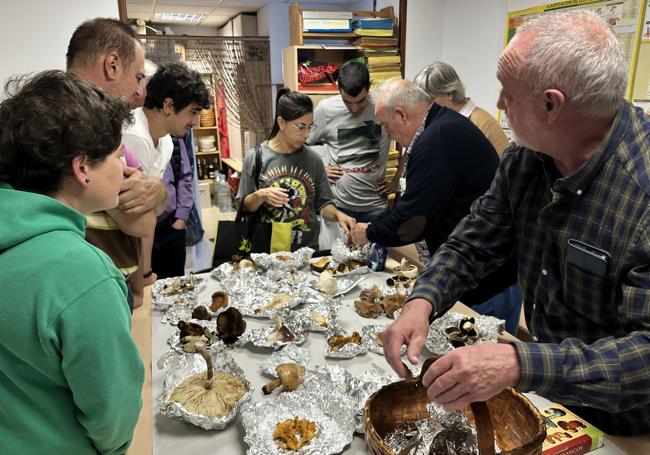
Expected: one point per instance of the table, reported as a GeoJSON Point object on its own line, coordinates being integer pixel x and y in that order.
{"type": "Point", "coordinates": [161, 435]}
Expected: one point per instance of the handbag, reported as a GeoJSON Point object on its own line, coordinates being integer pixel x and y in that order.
{"type": "Point", "coordinates": [237, 239]}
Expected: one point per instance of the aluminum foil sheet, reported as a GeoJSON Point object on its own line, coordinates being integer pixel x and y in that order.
{"type": "Point", "coordinates": [177, 313]}
{"type": "Point", "coordinates": [179, 367]}
{"type": "Point", "coordinates": [368, 334]}
{"type": "Point", "coordinates": [347, 351]}
{"type": "Point", "coordinates": [341, 253]}
{"type": "Point", "coordinates": [488, 328]}
{"type": "Point", "coordinates": [297, 324]}
{"type": "Point", "coordinates": [162, 299]}
{"type": "Point", "coordinates": [288, 354]}
{"type": "Point", "coordinates": [321, 314]}
{"type": "Point", "coordinates": [321, 398]}
{"type": "Point", "coordinates": [283, 260]}
{"type": "Point", "coordinates": [343, 284]}
{"type": "Point", "coordinates": [447, 432]}
{"type": "Point", "coordinates": [365, 385]}
{"type": "Point", "coordinates": [251, 294]}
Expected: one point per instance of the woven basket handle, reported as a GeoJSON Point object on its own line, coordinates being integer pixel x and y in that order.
{"type": "Point", "coordinates": [482, 418]}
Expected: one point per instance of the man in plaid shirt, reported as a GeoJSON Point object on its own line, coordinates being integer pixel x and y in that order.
{"type": "Point", "coordinates": [571, 200]}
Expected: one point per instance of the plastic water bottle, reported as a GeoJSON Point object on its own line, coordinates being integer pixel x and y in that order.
{"type": "Point", "coordinates": [223, 194]}
{"type": "Point", "coordinates": [377, 257]}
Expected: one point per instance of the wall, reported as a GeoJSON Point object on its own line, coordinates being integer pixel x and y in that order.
{"type": "Point", "coordinates": [424, 34]}
{"type": "Point", "coordinates": [35, 33]}
{"type": "Point", "coordinates": [473, 33]}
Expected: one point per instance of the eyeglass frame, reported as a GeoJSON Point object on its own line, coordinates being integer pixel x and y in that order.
{"type": "Point", "coordinates": [302, 127]}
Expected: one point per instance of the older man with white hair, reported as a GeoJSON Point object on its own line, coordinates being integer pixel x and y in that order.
{"type": "Point", "coordinates": [572, 201]}
{"type": "Point", "coordinates": [450, 164]}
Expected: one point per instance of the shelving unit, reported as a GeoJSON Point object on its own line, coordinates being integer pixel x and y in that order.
{"type": "Point", "coordinates": [214, 157]}
{"type": "Point", "coordinates": [297, 37]}
{"type": "Point", "coordinates": [299, 51]}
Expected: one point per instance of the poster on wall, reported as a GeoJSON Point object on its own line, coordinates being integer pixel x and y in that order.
{"type": "Point", "coordinates": [627, 20]}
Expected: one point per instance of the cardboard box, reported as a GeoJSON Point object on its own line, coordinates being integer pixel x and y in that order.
{"type": "Point", "coordinates": [567, 433]}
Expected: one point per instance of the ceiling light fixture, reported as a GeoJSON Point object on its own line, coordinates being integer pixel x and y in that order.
{"type": "Point", "coordinates": [179, 17]}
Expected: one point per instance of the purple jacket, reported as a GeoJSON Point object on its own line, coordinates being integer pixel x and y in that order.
{"type": "Point", "coordinates": [180, 198]}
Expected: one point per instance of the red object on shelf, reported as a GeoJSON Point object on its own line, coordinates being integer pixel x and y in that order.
{"type": "Point", "coordinates": [308, 74]}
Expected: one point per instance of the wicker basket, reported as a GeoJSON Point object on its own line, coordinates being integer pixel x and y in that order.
{"type": "Point", "coordinates": [207, 117]}
{"type": "Point", "coordinates": [519, 428]}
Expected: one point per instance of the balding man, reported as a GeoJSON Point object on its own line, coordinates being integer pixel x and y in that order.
{"type": "Point", "coordinates": [107, 53]}
{"type": "Point", "coordinates": [450, 164]}
{"type": "Point", "coordinates": [572, 201]}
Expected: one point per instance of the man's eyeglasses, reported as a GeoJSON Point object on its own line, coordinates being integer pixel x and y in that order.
{"type": "Point", "coordinates": [301, 127]}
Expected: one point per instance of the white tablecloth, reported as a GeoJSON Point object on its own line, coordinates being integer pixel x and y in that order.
{"type": "Point", "coordinates": [172, 437]}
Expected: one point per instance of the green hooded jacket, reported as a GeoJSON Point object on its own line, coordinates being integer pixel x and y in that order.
{"type": "Point", "coordinates": [70, 374]}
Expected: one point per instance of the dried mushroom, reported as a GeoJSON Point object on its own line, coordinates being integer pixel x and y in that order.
{"type": "Point", "coordinates": [202, 313]}
{"type": "Point", "coordinates": [189, 329]}
{"type": "Point", "coordinates": [392, 303]}
{"type": "Point", "coordinates": [368, 304]}
{"type": "Point", "coordinates": [209, 394]}
{"type": "Point", "coordinates": [279, 300]}
{"type": "Point", "coordinates": [230, 325]}
{"type": "Point", "coordinates": [179, 285]}
{"type": "Point", "coordinates": [464, 330]}
{"type": "Point", "coordinates": [290, 376]}
{"type": "Point", "coordinates": [219, 300]}
{"type": "Point", "coordinates": [246, 264]}
{"type": "Point", "coordinates": [292, 434]}
{"type": "Point", "coordinates": [338, 341]}
{"type": "Point", "coordinates": [281, 332]}
{"type": "Point", "coordinates": [320, 265]}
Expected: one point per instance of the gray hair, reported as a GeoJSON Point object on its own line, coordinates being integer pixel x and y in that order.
{"type": "Point", "coordinates": [440, 78]}
{"type": "Point", "coordinates": [577, 53]}
{"type": "Point", "coordinates": [401, 93]}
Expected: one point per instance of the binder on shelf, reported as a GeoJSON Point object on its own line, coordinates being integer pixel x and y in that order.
{"type": "Point", "coordinates": [327, 15]}
{"type": "Point", "coordinates": [326, 25]}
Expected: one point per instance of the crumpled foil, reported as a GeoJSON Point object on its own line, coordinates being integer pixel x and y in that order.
{"type": "Point", "coordinates": [288, 354]}
{"type": "Point", "coordinates": [177, 313]}
{"type": "Point", "coordinates": [370, 341]}
{"type": "Point", "coordinates": [179, 367]}
{"type": "Point", "coordinates": [297, 323]}
{"type": "Point", "coordinates": [488, 328]}
{"type": "Point", "coordinates": [162, 301]}
{"type": "Point", "coordinates": [327, 309]}
{"type": "Point", "coordinates": [365, 385]}
{"type": "Point", "coordinates": [343, 285]}
{"type": "Point", "coordinates": [341, 253]}
{"type": "Point", "coordinates": [299, 259]}
{"type": "Point", "coordinates": [318, 399]}
{"type": "Point", "coordinates": [451, 432]}
{"type": "Point", "coordinates": [249, 292]}
{"type": "Point", "coordinates": [347, 351]}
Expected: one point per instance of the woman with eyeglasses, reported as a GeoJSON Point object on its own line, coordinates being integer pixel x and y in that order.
{"type": "Point", "coordinates": [286, 180]}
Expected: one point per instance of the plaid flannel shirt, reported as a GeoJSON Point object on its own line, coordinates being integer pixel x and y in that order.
{"type": "Point", "coordinates": [593, 331]}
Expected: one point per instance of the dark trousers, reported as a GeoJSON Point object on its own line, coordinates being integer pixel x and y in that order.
{"type": "Point", "coordinates": [168, 255]}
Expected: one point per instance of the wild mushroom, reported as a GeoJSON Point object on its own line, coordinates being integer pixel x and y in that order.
{"type": "Point", "coordinates": [463, 331]}
{"type": "Point", "coordinates": [290, 376]}
{"type": "Point", "coordinates": [338, 341]}
{"type": "Point", "coordinates": [201, 312]}
{"type": "Point", "coordinates": [209, 394]}
{"type": "Point", "coordinates": [230, 325]}
{"type": "Point", "coordinates": [189, 329]}
{"type": "Point", "coordinates": [219, 300]}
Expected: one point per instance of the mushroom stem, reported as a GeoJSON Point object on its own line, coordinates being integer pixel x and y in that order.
{"type": "Point", "coordinates": [271, 386]}
{"type": "Point", "coordinates": [200, 348]}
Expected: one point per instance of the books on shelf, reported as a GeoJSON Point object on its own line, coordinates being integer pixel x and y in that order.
{"type": "Point", "coordinates": [373, 23]}
{"type": "Point", "coordinates": [383, 60]}
{"type": "Point", "coordinates": [327, 15]}
{"type": "Point", "coordinates": [326, 25]}
{"type": "Point", "coordinates": [370, 32]}
{"type": "Point", "coordinates": [567, 433]}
